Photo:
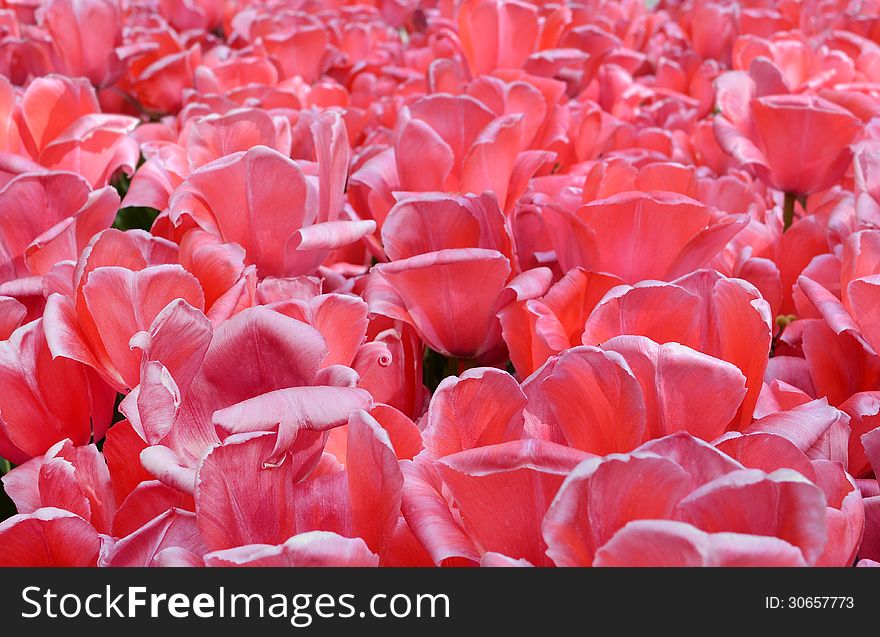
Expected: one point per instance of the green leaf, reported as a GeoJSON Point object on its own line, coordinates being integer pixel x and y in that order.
{"type": "Point", "coordinates": [135, 218]}
{"type": "Point", "coordinates": [7, 506]}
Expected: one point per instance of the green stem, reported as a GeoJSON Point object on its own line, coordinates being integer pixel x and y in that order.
{"type": "Point", "coordinates": [452, 367]}
{"type": "Point", "coordinates": [151, 115]}
{"type": "Point", "coordinates": [5, 466]}
{"type": "Point", "coordinates": [457, 366]}
{"type": "Point", "coordinates": [788, 210]}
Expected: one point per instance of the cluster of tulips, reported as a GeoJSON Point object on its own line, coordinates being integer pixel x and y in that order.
{"type": "Point", "coordinates": [450, 282]}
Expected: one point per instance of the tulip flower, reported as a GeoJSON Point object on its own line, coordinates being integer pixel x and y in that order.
{"type": "Point", "coordinates": [495, 283]}
{"type": "Point", "coordinates": [777, 137]}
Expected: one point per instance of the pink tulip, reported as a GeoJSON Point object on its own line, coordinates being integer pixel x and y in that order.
{"type": "Point", "coordinates": [536, 329]}
{"type": "Point", "coordinates": [863, 409]}
{"type": "Point", "coordinates": [497, 34]}
{"type": "Point", "coordinates": [788, 63]}
{"type": "Point", "coordinates": [75, 479]}
{"type": "Point", "coordinates": [164, 169]}
{"type": "Point", "coordinates": [96, 325]}
{"type": "Point", "coordinates": [363, 499]}
{"type": "Point", "coordinates": [492, 283]}
{"type": "Point", "coordinates": [309, 549]}
{"type": "Point", "coordinates": [390, 368]}
{"type": "Point", "coordinates": [296, 42]}
{"type": "Point", "coordinates": [122, 448]}
{"type": "Point", "coordinates": [182, 406]}
{"type": "Point", "coordinates": [170, 539]}
{"type": "Point", "coordinates": [713, 28]}
{"type": "Point", "coordinates": [511, 481]}
{"type": "Point", "coordinates": [471, 246]}
{"type": "Point", "coordinates": [192, 14]}
{"type": "Point", "coordinates": [725, 318]}
{"type": "Point", "coordinates": [771, 448]}
{"type": "Point", "coordinates": [161, 66]}
{"type": "Point", "coordinates": [203, 140]}
{"type": "Point", "coordinates": [49, 537]}
{"type": "Point", "coordinates": [266, 185]}
{"type": "Point", "coordinates": [606, 235]}
{"type": "Point", "coordinates": [840, 348]}
{"type": "Point", "coordinates": [85, 35]}
{"type": "Point", "coordinates": [704, 509]}
{"type": "Point", "coordinates": [646, 385]}
{"type": "Point", "coordinates": [857, 285]}
{"type": "Point", "coordinates": [469, 150]}
{"type": "Point", "coordinates": [769, 134]}
{"type": "Point", "coordinates": [12, 315]}
{"type": "Point", "coordinates": [79, 138]}
{"type": "Point", "coordinates": [31, 377]}
{"type": "Point", "coordinates": [50, 217]}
